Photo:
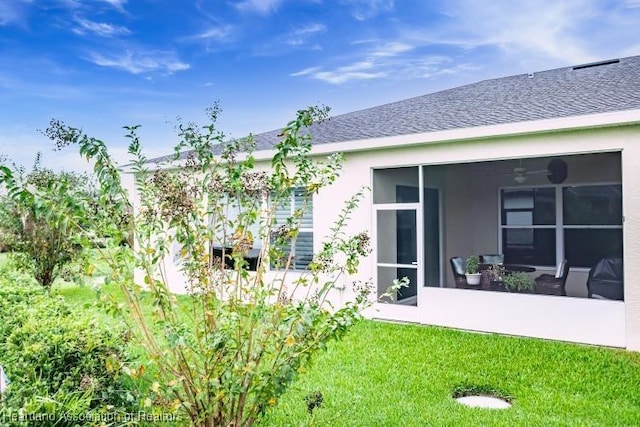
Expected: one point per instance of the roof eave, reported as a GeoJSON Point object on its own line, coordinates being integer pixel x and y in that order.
{"type": "Point", "coordinates": [587, 121]}
{"type": "Point", "coordinates": [561, 124]}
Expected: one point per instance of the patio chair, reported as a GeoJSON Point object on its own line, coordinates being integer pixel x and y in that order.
{"type": "Point", "coordinates": [549, 284]}
{"type": "Point", "coordinates": [492, 259]}
{"type": "Point", "coordinates": [457, 266]}
{"type": "Point", "coordinates": [606, 280]}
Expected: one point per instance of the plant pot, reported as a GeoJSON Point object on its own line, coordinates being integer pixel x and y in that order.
{"type": "Point", "coordinates": [473, 279]}
{"type": "Point", "coordinates": [498, 285]}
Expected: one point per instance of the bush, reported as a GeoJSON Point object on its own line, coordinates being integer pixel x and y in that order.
{"type": "Point", "coordinates": [227, 352]}
{"type": "Point", "coordinates": [519, 282]}
{"type": "Point", "coordinates": [47, 217]}
{"type": "Point", "coordinates": [17, 293]}
{"type": "Point", "coordinates": [40, 230]}
{"type": "Point", "coordinates": [57, 360]}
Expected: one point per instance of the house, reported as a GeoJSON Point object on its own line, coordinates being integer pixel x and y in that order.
{"type": "Point", "coordinates": [540, 167]}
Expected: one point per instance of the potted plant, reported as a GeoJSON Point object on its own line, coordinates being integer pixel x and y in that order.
{"type": "Point", "coordinates": [471, 270]}
{"type": "Point", "coordinates": [518, 282]}
{"type": "Point", "coordinates": [496, 273]}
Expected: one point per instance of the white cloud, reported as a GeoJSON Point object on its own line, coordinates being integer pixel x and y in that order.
{"type": "Point", "coordinates": [526, 35]}
{"type": "Point", "coordinates": [553, 30]}
{"type": "Point", "coordinates": [391, 49]}
{"type": "Point", "coordinates": [306, 72]}
{"type": "Point", "coordinates": [419, 67]}
{"type": "Point", "coordinates": [521, 35]}
{"type": "Point", "coordinates": [310, 29]}
{"type": "Point", "coordinates": [261, 7]}
{"type": "Point", "coordinates": [377, 62]}
{"type": "Point", "coordinates": [357, 66]}
{"type": "Point", "coordinates": [300, 35]}
{"type": "Point", "coordinates": [99, 28]}
{"type": "Point", "coordinates": [303, 36]}
{"type": "Point", "coordinates": [362, 10]}
{"type": "Point", "coordinates": [216, 32]}
{"type": "Point", "coordinates": [12, 10]}
{"type": "Point", "coordinates": [340, 76]}
{"type": "Point", "coordinates": [355, 71]}
{"type": "Point", "coordinates": [118, 4]}
{"type": "Point", "coordinates": [71, 4]}
{"type": "Point", "coordinates": [139, 62]}
{"type": "Point", "coordinates": [428, 67]}
{"type": "Point", "coordinates": [401, 59]}
{"type": "Point", "coordinates": [7, 14]}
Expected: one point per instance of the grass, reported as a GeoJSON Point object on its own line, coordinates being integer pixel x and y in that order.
{"type": "Point", "coordinates": [386, 374]}
{"type": "Point", "coordinates": [84, 298]}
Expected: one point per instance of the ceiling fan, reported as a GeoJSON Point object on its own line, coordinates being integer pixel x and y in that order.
{"type": "Point", "coordinates": [556, 172]}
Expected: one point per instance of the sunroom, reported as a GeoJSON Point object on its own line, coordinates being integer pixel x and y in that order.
{"type": "Point", "coordinates": [537, 213]}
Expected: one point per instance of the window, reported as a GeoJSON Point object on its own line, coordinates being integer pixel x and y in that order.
{"type": "Point", "coordinates": [230, 215]}
{"type": "Point", "coordinates": [592, 219]}
{"type": "Point", "coordinates": [528, 219]}
{"type": "Point", "coordinates": [302, 246]}
{"type": "Point", "coordinates": [224, 222]}
{"type": "Point", "coordinates": [584, 222]}
{"type": "Point", "coordinates": [396, 185]}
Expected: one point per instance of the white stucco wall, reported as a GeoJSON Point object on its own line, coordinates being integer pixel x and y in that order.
{"type": "Point", "coordinates": [631, 212]}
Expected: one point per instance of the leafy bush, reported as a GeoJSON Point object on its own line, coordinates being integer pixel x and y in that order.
{"type": "Point", "coordinates": [48, 218]}
{"type": "Point", "coordinates": [519, 282]}
{"type": "Point", "coordinates": [225, 354]}
{"type": "Point", "coordinates": [39, 230]}
{"type": "Point", "coordinates": [52, 354]}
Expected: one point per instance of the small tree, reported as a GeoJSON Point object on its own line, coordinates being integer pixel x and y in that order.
{"type": "Point", "coordinates": [224, 354]}
{"type": "Point", "coordinates": [38, 218]}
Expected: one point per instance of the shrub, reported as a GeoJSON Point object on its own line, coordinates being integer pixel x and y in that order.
{"type": "Point", "coordinates": [17, 293]}
{"type": "Point", "coordinates": [39, 230]}
{"type": "Point", "coordinates": [225, 354]}
{"type": "Point", "coordinates": [52, 354]}
{"type": "Point", "coordinates": [48, 218]}
{"type": "Point", "coordinates": [519, 282]}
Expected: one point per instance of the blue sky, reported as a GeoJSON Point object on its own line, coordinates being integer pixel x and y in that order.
{"type": "Point", "coordinates": [102, 64]}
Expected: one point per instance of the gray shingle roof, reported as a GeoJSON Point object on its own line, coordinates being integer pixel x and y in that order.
{"type": "Point", "coordinates": [570, 91]}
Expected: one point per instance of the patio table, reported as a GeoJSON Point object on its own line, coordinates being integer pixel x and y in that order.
{"type": "Point", "coordinates": [517, 268]}
{"type": "Point", "coordinates": [510, 268]}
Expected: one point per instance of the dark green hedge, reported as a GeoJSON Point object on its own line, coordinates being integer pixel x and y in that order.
{"type": "Point", "coordinates": [57, 359]}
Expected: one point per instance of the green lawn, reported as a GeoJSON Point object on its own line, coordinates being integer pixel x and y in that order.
{"type": "Point", "coordinates": [385, 374]}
